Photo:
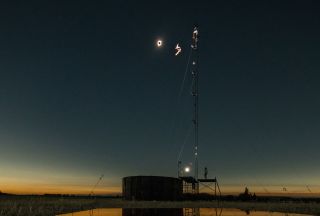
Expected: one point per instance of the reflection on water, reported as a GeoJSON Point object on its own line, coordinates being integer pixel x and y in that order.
{"type": "Point", "coordinates": [176, 212]}
{"type": "Point", "coordinates": [153, 212]}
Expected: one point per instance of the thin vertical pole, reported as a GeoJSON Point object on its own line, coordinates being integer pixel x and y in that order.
{"type": "Point", "coordinates": [215, 188]}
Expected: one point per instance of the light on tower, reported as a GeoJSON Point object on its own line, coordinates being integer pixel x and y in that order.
{"type": "Point", "coordinates": [187, 169]}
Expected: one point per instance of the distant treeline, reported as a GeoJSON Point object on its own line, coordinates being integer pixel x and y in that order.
{"type": "Point", "coordinates": [253, 197]}
{"type": "Point", "coordinates": [186, 197]}
{"type": "Point", "coordinates": [62, 196]}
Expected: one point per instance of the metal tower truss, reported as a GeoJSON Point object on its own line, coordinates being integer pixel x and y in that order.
{"type": "Point", "coordinates": [192, 184]}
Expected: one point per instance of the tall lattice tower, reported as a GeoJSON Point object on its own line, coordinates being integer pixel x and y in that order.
{"type": "Point", "coordinates": [195, 94]}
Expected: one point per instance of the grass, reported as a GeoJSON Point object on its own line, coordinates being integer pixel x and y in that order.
{"type": "Point", "coordinates": [39, 206]}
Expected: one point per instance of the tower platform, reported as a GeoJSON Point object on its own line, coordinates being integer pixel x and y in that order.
{"type": "Point", "coordinates": [194, 186]}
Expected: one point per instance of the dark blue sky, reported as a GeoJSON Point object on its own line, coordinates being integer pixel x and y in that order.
{"type": "Point", "coordinates": [84, 91]}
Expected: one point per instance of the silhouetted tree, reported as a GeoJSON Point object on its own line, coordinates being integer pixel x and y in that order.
{"type": "Point", "coordinates": [246, 192]}
{"type": "Point", "coordinates": [254, 197]}
{"type": "Point", "coordinates": [246, 195]}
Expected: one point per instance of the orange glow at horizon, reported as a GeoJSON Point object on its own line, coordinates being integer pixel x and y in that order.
{"type": "Point", "coordinates": [57, 186]}
{"type": "Point", "coordinates": [35, 180]}
{"type": "Point", "coordinates": [15, 187]}
{"type": "Point", "coordinates": [26, 180]}
{"type": "Point", "coordinates": [59, 189]}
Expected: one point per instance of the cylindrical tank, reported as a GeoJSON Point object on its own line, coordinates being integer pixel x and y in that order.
{"type": "Point", "coordinates": [151, 188]}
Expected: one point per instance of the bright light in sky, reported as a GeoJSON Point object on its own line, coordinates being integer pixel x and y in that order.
{"type": "Point", "coordinates": [159, 43]}
{"type": "Point", "coordinates": [187, 169]}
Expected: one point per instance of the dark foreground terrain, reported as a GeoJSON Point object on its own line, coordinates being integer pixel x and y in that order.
{"type": "Point", "coordinates": [44, 205]}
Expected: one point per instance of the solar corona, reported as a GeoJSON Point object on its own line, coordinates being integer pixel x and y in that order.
{"type": "Point", "coordinates": [159, 43]}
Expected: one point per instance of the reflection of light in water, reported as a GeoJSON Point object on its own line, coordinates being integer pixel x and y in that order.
{"type": "Point", "coordinates": [97, 212]}
{"type": "Point", "coordinates": [175, 212]}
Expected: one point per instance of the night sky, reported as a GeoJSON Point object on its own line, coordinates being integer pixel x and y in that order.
{"type": "Point", "coordinates": [84, 91]}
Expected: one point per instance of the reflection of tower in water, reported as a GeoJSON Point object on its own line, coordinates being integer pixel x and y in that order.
{"type": "Point", "coordinates": [200, 211]}
{"type": "Point", "coordinates": [171, 211]}
{"type": "Point", "coordinates": [191, 212]}
{"type": "Point", "coordinates": [152, 212]}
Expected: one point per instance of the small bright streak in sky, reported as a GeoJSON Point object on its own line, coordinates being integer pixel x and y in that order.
{"type": "Point", "coordinates": [178, 49]}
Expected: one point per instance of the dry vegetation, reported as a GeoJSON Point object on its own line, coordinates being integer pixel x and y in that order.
{"type": "Point", "coordinates": [38, 206]}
